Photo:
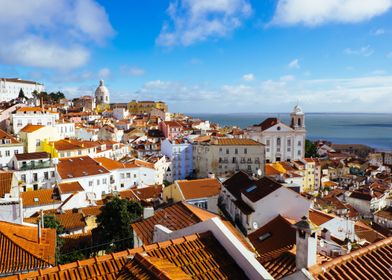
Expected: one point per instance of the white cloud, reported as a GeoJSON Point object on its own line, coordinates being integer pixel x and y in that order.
{"type": "Point", "coordinates": [363, 51]}
{"type": "Point", "coordinates": [132, 71]}
{"type": "Point", "coordinates": [294, 64]}
{"type": "Point", "coordinates": [104, 73]}
{"type": "Point", "coordinates": [318, 12]}
{"type": "Point", "coordinates": [248, 77]}
{"type": "Point", "coordinates": [379, 32]}
{"type": "Point", "coordinates": [197, 20]}
{"type": "Point", "coordinates": [364, 94]}
{"type": "Point", "coordinates": [51, 34]}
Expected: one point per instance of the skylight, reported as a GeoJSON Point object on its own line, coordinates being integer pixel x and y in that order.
{"type": "Point", "coordinates": [251, 188]}
{"type": "Point", "coordinates": [264, 236]}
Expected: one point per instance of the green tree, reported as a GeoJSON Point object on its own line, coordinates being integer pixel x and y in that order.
{"type": "Point", "coordinates": [310, 149]}
{"type": "Point", "coordinates": [21, 94]}
{"type": "Point", "coordinates": [114, 229]}
{"type": "Point", "coordinates": [50, 221]}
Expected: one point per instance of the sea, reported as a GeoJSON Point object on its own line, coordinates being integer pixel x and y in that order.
{"type": "Point", "coordinates": [374, 130]}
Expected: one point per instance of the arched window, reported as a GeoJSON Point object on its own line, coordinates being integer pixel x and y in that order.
{"type": "Point", "coordinates": [299, 121]}
{"type": "Point", "coordinates": [278, 141]}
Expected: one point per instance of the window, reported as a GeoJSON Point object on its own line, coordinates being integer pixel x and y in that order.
{"type": "Point", "coordinates": [278, 141]}
{"type": "Point", "coordinates": [98, 182]}
{"type": "Point", "coordinates": [288, 142]}
{"type": "Point", "coordinates": [37, 142]}
{"type": "Point", "coordinates": [104, 181]}
{"type": "Point", "coordinates": [299, 143]}
{"type": "Point", "coordinates": [122, 176]}
{"type": "Point", "coordinates": [128, 175]}
{"type": "Point", "coordinates": [90, 183]}
{"type": "Point", "coordinates": [7, 153]}
{"type": "Point", "coordinates": [35, 177]}
{"type": "Point", "coordinates": [268, 142]}
{"type": "Point", "coordinates": [23, 177]}
{"type": "Point", "coordinates": [236, 151]}
{"type": "Point", "coordinates": [227, 151]}
{"type": "Point", "coordinates": [52, 174]}
{"type": "Point", "coordinates": [245, 151]}
{"type": "Point", "coordinates": [299, 153]}
{"type": "Point", "coordinates": [46, 175]}
{"type": "Point", "coordinates": [79, 152]}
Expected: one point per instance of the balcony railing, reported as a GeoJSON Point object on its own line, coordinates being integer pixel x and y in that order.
{"type": "Point", "coordinates": [37, 165]}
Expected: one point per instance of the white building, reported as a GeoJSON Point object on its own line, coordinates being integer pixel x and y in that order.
{"type": "Point", "coordinates": [179, 151]}
{"type": "Point", "coordinates": [32, 115]}
{"type": "Point", "coordinates": [282, 142]}
{"type": "Point", "coordinates": [102, 94]}
{"type": "Point", "coordinates": [91, 175]}
{"type": "Point", "coordinates": [33, 171]}
{"type": "Point", "coordinates": [10, 88]}
{"type": "Point", "coordinates": [9, 147]}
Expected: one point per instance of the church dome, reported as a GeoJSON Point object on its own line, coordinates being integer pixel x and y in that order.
{"type": "Point", "coordinates": [297, 110]}
{"type": "Point", "coordinates": [102, 93]}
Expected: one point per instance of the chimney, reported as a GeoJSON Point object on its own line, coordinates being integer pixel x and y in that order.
{"type": "Point", "coordinates": [306, 243]}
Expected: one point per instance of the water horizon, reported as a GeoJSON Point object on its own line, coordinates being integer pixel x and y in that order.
{"type": "Point", "coordinates": [371, 129]}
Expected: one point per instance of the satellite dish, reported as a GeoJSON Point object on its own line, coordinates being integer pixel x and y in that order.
{"type": "Point", "coordinates": [322, 243]}
{"type": "Point", "coordinates": [255, 225]}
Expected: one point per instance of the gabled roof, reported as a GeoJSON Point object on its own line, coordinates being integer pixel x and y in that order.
{"type": "Point", "coordinates": [31, 128]}
{"type": "Point", "coordinates": [20, 249]}
{"type": "Point", "coordinates": [71, 167]}
{"type": "Point", "coordinates": [39, 197]}
{"type": "Point", "coordinates": [5, 135]}
{"type": "Point", "coordinates": [237, 183]}
{"type": "Point", "coordinates": [370, 262]}
{"type": "Point", "coordinates": [197, 256]}
{"type": "Point", "coordinates": [5, 183]}
{"type": "Point", "coordinates": [174, 217]}
{"type": "Point", "coordinates": [199, 188]}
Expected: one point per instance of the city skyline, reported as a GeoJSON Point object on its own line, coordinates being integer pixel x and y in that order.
{"type": "Point", "coordinates": [202, 56]}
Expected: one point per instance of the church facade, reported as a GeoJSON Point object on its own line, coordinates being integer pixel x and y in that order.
{"type": "Point", "coordinates": [282, 142]}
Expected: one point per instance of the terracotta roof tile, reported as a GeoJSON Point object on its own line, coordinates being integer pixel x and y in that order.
{"type": "Point", "coordinates": [199, 188]}
{"type": "Point", "coordinates": [371, 262]}
{"type": "Point", "coordinates": [32, 156]}
{"type": "Point", "coordinates": [20, 249]}
{"type": "Point", "coordinates": [198, 256]}
{"type": "Point", "coordinates": [70, 187]}
{"type": "Point", "coordinates": [5, 135]}
{"type": "Point", "coordinates": [70, 167]}
{"type": "Point", "coordinates": [31, 128]}
{"type": "Point", "coordinates": [237, 142]}
{"type": "Point", "coordinates": [39, 197]}
{"type": "Point", "coordinates": [5, 183]}
{"type": "Point", "coordinates": [318, 217]}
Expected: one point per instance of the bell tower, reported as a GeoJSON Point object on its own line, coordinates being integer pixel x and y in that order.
{"type": "Point", "coordinates": [297, 118]}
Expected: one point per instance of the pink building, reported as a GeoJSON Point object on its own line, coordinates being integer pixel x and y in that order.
{"type": "Point", "coordinates": [171, 129]}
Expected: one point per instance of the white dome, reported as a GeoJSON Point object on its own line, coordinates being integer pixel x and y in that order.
{"type": "Point", "coordinates": [102, 93]}
{"type": "Point", "coordinates": [297, 110]}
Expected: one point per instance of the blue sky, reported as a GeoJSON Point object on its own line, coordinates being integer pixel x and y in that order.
{"type": "Point", "coordinates": [207, 55]}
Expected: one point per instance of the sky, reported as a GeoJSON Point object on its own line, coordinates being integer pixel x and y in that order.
{"type": "Point", "coordinates": [207, 56]}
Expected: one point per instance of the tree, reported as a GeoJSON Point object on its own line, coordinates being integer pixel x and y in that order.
{"type": "Point", "coordinates": [50, 221]}
{"type": "Point", "coordinates": [21, 94]}
{"type": "Point", "coordinates": [114, 231]}
{"type": "Point", "coordinates": [310, 149]}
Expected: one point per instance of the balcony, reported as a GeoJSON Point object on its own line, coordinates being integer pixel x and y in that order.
{"type": "Point", "coordinates": [36, 165]}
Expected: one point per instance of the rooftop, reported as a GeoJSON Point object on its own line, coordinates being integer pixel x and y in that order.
{"type": "Point", "coordinates": [199, 188]}
{"type": "Point", "coordinates": [70, 167]}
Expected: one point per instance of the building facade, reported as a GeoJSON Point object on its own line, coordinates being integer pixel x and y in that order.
{"type": "Point", "coordinates": [180, 154]}
{"type": "Point", "coordinates": [282, 142]}
{"type": "Point", "coordinates": [10, 88]}
{"type": "Point", "coordinates": [225, 156]}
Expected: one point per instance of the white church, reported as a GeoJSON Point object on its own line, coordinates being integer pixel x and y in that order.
{"type": "Point", "coordinates": [282, 142]}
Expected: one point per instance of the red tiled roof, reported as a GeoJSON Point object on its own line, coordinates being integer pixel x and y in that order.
{"type": "Point", "coordinates": [371, 262]}
{"type": "Point", "coordinates": [318, 217]}
{"type": "Point", "coordinates": [32, 156]}
{"type": "Point", "coordinates": [39, 197]}
{"type": "Point", "coordinates": [199, 188]}
{"type": "Point", "coordinates": [5, 135]}
{"type": "Point", "coordinates": [70, 187]}
{"type": "Point", "coordinates": [20, 249]}
{"type": "Point", "coordinates": [5, 182]}
{"type": "Point", "coordinates": [31, 128]}
{"type": "Point", "coordinates": [71, 167]}
{"type": "Point", "coordinates": [267, 123]}
{"type": "Point", "coordinates": [198, 256]}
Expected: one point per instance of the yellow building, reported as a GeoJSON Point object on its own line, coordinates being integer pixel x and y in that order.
{"type": "Point", "coordinates": [70, 148]}
{"type": "Point", "coordinates": [32, 137]}
{"type": "Point", "coordinates": [309, 175]}
{"type": "Point", "coordinates": [145, 107]}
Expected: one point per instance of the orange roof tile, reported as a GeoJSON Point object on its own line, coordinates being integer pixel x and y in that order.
{"type": "Point", "coordinates": [5, 135]}
{"type": "Point", "coordinates": [237, 142]}
{"type": "Point", "coordinates": [70, 187]}
{"type": "Point", "coordinates": [20, 249]}
{"type": "Point", "coordinates": [370, 262]}
{"type": "Point", "coordinates": [198, 256]}
{"type": "Point", "coordinates": [39, 197]}
{"type": "Point", "coordinates": [5, 182]}
{"type": "Point", "coordinates": [318, 218]}
{"type": "Point", "coordinates": [31, 128]}
{"type": "Point", "coordinates": [199, 188]}
{"type": "Point", "coordinates": [70, 167]}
